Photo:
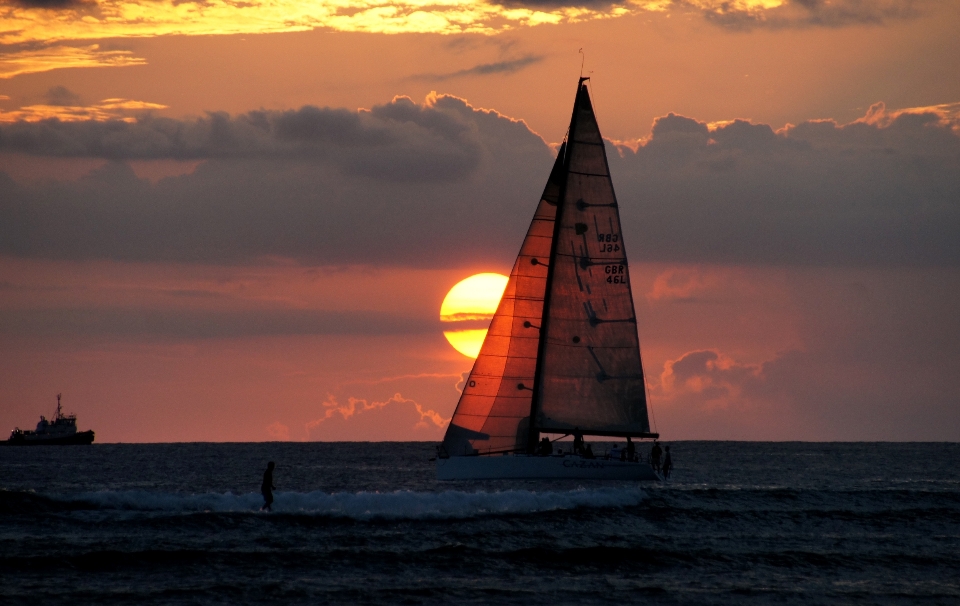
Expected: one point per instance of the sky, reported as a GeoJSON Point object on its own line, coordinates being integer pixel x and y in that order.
{"type": "Point", "coordinates": [226, 221]}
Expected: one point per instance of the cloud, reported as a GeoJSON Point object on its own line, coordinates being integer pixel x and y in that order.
{"type": "Point", "coordinates": [709, 376]}
{"type": "Point", "coordinates": [484, 69]}
{"type": "Point", "coordinates": [803, 13]}
{"type": "Point", "coordinates": [278, 431]}
{"type": "Point", "coordinates": [61, 107]}
{"type": "Point", "coordinates": [51, 4]}
{"type": "Point", "coordinates": [137, 322]}
{"type": "Point", "coordinates": [869, 354]}
{"type": "Point", "coordinates": [396, 418]}
{"type": "Point", "coordinates": [946, 114]}
{"type": "Point", "coordinates": [681, 285]}
{"type": "Point", "coordinates": [51, 22]}
{"type": "Point", "coordinates": [819, 394]}
{"type": "Point", "coordinates": [61, 95]}
{"type": "Point", "coordinates": [407, 377]}
{"type": "Point", "coordinates": [443, 183]}
{"type": "Point", "coordinates": [398, 184]}
{"type": "Point", "coordinates": [883, 189]}
{"type": "Point", "coordinates": [400, 140]}
{"type": "Point", "coordinates": [131, 18]}
{"type": "Point", "coordinates": [160, 302]}
{"type": "Point", "coordinates": [33, 61]}
{"type": "Point", "coordinates": [604, 5]}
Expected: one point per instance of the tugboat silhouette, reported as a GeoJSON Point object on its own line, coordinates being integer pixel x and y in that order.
{"type": "Point", "coordinates": [61, 430]}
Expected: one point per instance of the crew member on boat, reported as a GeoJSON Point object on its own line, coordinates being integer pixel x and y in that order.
{"type": "Point", "coordinates": [614, 452]}
{"type": "Point", "coordinates": [546, 448]}
{"type": "Point", "coordinates": [577, 441]}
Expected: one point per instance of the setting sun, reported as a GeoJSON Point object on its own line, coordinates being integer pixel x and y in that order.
{"type": "Point", "coordinates": [472, 300]}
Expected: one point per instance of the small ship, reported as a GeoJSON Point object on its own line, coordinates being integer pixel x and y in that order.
{"type": "Point", "coordinates": [61, 430]}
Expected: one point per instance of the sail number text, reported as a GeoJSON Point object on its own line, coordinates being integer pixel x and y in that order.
{"type": "Point", "coordinates": [616, 274]}
{"type": "Point", "coordinates": [609, 242]}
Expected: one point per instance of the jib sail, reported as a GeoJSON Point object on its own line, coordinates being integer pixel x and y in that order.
{"type": "Point", "coordinates": [494, 409]}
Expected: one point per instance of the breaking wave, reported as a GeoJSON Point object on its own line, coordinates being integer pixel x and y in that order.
{"type": "Point", "coordinates": [360, 505]}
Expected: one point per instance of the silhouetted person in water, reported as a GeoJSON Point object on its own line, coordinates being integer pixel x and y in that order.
{"type": "Point", "coordinates": [577, 441]}
{"type": "Point", "coordinates": [267, 487]}
{"type": "Point", "coordinates": [667, 464]}
{"type": "Point", "coordinates": [631, 450]}
{"type": "Point", "coordinates": [655, 453]}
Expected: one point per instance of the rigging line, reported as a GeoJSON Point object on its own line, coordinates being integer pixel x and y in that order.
{"type": "Point", "coordinates": [643, 372]}
{"type": "Point", "coordinates": [583, 58]}
{"type": "Point", "coordinates": [591, 175]}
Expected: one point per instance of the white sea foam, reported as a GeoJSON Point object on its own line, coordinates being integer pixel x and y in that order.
{"type": "Point", "coordinates": [370, 505]}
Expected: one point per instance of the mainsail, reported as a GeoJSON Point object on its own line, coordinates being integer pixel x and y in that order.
{"type": "Point", "coordinates": [562, 348]}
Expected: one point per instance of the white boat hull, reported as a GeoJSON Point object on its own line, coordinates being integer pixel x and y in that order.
{"type": "Point", "coordinates": [529, 467]}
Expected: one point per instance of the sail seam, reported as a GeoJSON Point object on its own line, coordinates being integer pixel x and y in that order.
{"type": "Point", "coordinates": [576, 172]}
{"type": "Point", "coordinates": [601, 347]}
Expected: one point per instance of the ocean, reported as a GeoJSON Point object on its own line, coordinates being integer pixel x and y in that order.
{"type": "Point", "coordinates": [367, 523]}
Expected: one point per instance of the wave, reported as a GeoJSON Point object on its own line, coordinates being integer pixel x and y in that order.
{"type": "Point", "coordinates": [401, 504]}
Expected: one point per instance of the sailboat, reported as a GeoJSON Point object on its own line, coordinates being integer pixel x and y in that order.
{"type": "Point", "coordinates": [562, 354]}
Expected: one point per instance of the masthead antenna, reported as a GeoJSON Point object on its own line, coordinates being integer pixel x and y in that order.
{"type": "Point", "coordinates": [582, 57]}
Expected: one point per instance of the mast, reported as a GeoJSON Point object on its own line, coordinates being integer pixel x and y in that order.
{"type": "Point", "coordinates": [533, 433]}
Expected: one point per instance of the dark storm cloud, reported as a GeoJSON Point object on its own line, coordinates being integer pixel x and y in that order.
{"type": "Point", "coordinates": [816, 193]}
{"type": "Point", "coordinates": [399, 141]}
{"type": "Point", "coordinates": [444, 184]}
{"type": "Point", "coordinates": [484, 69]}
{"type": "Point", "coordinates": [436, 184]}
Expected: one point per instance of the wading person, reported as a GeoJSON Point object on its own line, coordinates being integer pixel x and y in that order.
{"type": "Point", "coordinates": [267, 488]}
{"type": "Point", "coordinates": [667, 464]}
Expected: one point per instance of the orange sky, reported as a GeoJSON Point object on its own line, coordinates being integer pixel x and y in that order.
{"type": "Point", "coordinates": [184, 269]}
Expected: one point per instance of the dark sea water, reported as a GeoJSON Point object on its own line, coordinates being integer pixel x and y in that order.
{"type": "Point", "coordinates": [740, 523]}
